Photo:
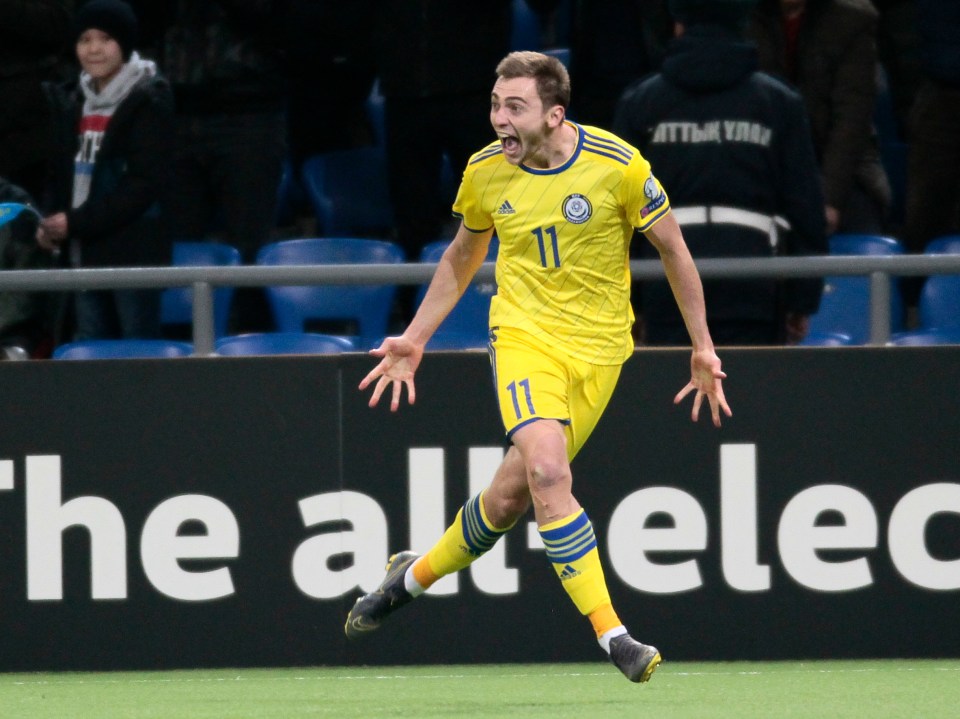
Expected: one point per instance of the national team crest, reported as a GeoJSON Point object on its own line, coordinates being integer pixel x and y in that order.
{"type": "Point", "coordinates": [577, 209]}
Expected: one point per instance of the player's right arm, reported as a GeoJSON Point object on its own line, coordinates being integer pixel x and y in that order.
{"type": "Point", "coordinates": [400, 356]}
{"type": "Point", "coordinates": [454, 273]}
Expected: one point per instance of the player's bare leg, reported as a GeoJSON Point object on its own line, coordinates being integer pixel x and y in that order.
{"type": "Point", "coordinates": [408, 575]}
{"type": "Point", "coordinates": [572, 547]}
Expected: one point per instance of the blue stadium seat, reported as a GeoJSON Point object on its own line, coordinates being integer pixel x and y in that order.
{"type": "Point", "coordinates": [826, 339]}
{"type": "Point", "coordinates": [526, 33]}
{"type": "Point", "coordinates": [845, 305]}
{"type": "Point", "coordinates": [561, 53]}
{"type": "Point", "coordinates": [365, 307]}
{"type": "Point", "coordinates": [853, 244]}
{"type": "Point", "coordinates": [282, 343]}
{"type": "Point", "coordinates": [939, 304]}
{"type": "Point", "coordinates": [467, 326]}
{"type": "Point", "coordinates": [121, 349]}
{"type": "Point", "coordinates": [176, 303]}
{"type": "Point", "coordinates": [926, 337]}
{"type": "Point", "coordinates": [349, 192]}
{"type": "Point", "coordinates": [945, 245]}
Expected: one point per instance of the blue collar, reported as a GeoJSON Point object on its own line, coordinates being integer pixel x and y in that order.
{"type": "Point", "coordinates": [565, 165]}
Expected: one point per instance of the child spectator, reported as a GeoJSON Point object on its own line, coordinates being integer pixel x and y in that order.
{"type": "Point", "coordinates": [112, 158]}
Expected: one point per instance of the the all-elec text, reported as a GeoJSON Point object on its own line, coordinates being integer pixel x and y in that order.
{"type": "Point", "coordinates": [655, 559]}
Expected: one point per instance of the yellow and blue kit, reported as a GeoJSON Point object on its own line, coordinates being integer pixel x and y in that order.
{"type": "Point", "coordinates": [563, 271]}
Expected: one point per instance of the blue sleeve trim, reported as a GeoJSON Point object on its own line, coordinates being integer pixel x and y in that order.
{"type": "Point", "coordinates": [470, 229]}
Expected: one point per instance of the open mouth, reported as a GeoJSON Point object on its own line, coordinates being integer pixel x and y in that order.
{"type": "Point", "coordinates": [510, 144]}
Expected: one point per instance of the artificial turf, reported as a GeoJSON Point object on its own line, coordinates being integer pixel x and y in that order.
{"type": "Point", "coordinates": [929, 689]}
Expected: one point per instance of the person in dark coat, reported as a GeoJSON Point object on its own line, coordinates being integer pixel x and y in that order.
{"type": "Point", "coordinates": [933, 199]}
{"type": "Point", "coordinates": [111, 172]}
{"type": "Point", "coordinates": [734, 147]}
{"type": "Point", "coordinates": [612, 43]}
{"type": "Point", "coordinates": [933, 134]}
{"type": "Point", "coordinates": [26, 318]}
{"type": "Point", "coordinates": [35, 40]}
{"type": "Point", "coordinates": [828, 50]}
{"type": "Point", "coordinates": [433, 61]}
{"type": "Point", "coordinates": [224, 61]}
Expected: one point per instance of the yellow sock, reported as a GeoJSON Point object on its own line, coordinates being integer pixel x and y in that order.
{"type": "Point", "coordinates": [469, 537]}
{"type": "Point", "coordinates": [572, 549]}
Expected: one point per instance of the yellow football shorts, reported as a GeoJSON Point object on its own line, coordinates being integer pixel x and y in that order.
{"type": "Point", "coordinates": [535, 381]}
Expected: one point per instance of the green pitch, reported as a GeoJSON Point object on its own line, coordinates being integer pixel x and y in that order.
{"type": "Point", "coordinates": [770, 690]}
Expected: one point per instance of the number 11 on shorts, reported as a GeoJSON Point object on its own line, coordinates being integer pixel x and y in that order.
{"type": "Point", "coordinates": [523, 385]}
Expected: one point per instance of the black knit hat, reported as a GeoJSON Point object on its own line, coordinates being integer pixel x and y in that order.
{"type": "Point", "coordinates": [728, 13]}
{"type": "Point", "coordinates": [113, 17]}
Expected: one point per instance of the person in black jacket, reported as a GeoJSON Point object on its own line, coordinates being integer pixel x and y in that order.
{"type": "Point", "coordinates": [26, 318]}
{"type": "Point", "coordinates": [933, 187]}
{"type": "Point", "coordinates": [612, 43]}
{"type": "Point", "coordinates": [433, 61]}
{"type": "Point", "coordinates": [224, 61]}
{"type": "Point", "coordinates": [734, 147]}
{"type": "Point", "coordinates": [35, 43]}
{"type": "Point", "coordinates": [827, 50]}
{"type": "Point", "coordinates": [112, 169]}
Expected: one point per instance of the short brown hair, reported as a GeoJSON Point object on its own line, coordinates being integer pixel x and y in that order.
{"type": "Point", "coordinates": [552, 78]}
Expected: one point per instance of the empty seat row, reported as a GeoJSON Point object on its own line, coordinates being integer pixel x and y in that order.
{"type": "Point", "coordinates": [844, 314]}
{"type": "Point", "coordinates": [265, 343]}
{"type": "Point", "coordinates": [361, 311]}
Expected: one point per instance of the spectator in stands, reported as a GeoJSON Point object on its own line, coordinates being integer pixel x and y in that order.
{"type": "Point", "coordinates": [330, 56]}
{"type": "Point", "coordinates": [898, 47]}
{"type": "Point", "coordinates": [933, 185]}
{"type": "Point", "coordinates": [36, 38]}
{"type": "Point", "coordinates": [110, 170]}
{"type": "Point", "coordinates": [612, 43]}
{"type": "Point", "coordinates": [26, 318]}
{"type": "Point", "coordinates": [734, 147]}
{"type": "Point", "coordinates": [434, 61]}
{"type": "Point", "coordinates": [828, 50]}
{"type": "Point", "coordinates": [223, 60]}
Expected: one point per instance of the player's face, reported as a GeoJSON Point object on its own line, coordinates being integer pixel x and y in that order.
{"type": "Point", "coordinates": [99, 55]}
{"type": "Point", "coordinates": [519, 118]}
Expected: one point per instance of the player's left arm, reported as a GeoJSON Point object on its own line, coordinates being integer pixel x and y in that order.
{"type": "Point", "coordinates": [706, 374]}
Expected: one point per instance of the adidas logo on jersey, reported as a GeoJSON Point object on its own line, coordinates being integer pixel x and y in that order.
{"type": "Point", "coordinates": [568, 573]}
{"type": "Point", "coordinates": [506, 209]}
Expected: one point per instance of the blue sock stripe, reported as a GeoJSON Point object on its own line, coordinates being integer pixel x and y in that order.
{"type": "Point", "coordinates": [554, 535]}
{"type": "Point", "coordinates": [570, 542]}
{"type": "Point", "coordinates": [479, 537]}
{"type": "Point", "coordinates": [572, 553]}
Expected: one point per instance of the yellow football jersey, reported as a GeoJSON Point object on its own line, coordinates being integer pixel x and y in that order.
{"type": "Point", "coordinates": [563, 271]}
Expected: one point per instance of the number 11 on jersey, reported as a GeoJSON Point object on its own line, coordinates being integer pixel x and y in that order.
{"type": "Point", "coordinates": [545, 236]}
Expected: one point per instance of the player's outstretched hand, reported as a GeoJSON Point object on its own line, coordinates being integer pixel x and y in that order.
{"type": "Point", "coordinates": [400, 359]}
{"type": "Point", "coordinates": [706, 378]}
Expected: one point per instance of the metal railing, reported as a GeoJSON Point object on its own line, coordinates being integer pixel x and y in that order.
{"type": "Point", "coordinates": [880, 270]}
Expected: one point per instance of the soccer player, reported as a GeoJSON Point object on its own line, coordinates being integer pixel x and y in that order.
{"type": "Point", "coordinates": [563, 200]}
